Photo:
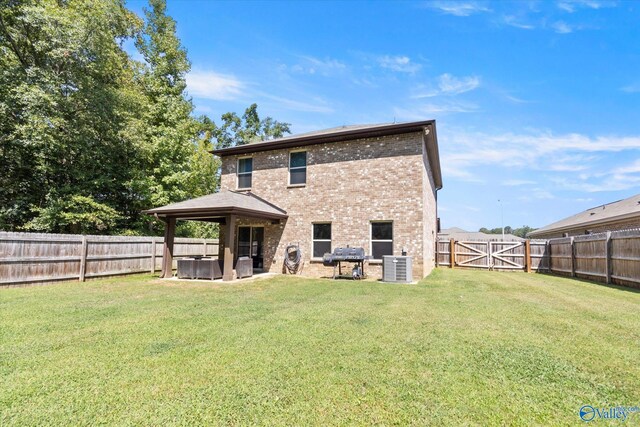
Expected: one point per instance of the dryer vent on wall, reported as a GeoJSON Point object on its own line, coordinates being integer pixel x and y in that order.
{"type": "Point", "coordinates": [397, 269]}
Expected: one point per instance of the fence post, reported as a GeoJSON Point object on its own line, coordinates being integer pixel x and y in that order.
{"type": "Point", "coordinates": [573, 258]}
{"type": "Point", "coordinates": [83, 258]}
{"type": "Point", "coordinates": [607, 251]}
{"type": "Point", "coordinates": [204, 250]}
{"type": "Point", "coordinates": [452, 253]}
{"type": "Point", "coordinates": [547, 254]}
{"type": "Point", "coordinates": [153, 255]}
{"type": "Point", "coordinates": [527, 256]}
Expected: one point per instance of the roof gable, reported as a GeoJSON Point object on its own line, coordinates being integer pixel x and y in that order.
{"type": "Point", "coordinates": [596, 215]}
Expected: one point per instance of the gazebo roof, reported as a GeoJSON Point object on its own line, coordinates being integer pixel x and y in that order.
{"type": "Point", "coordinates": [220, 204]}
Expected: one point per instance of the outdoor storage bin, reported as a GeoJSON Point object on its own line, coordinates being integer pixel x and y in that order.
{"type": "Point", "coordinates": [244, 267]}
{"type": "Point", "coordinates": [207, 268]}
{"type": "Point", "coordinates": [201, 268]}
{"type": "Point", "coordinates": [186, 268]}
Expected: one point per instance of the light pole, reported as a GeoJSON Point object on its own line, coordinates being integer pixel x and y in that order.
{"type": "Point", "coordinates": [501, 218]}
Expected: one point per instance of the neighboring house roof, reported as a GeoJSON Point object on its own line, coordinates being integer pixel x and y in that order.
{"type": "Point", "coordinates": [346, 133]}
{"type": "Point", "coordinates": [460, 234]}
{"type": "Point", "coordinates": [599, 215]}
{"type": "Point", "coordinates": [222, 203]}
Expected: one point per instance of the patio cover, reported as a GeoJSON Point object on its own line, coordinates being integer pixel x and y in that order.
{"type": "Point", "coordinates": [220, 205]}
{"type": "Point", "coordinates": [223, 207]}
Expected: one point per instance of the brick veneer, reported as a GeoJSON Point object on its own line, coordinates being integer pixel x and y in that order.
{"type": "Point", "coordinates": [348, 184]}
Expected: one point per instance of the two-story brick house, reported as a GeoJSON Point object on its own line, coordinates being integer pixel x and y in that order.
{"type": "Point", "coordinates": [369, 186]}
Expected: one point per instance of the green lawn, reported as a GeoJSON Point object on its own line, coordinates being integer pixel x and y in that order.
{"type": "Point", "coordinates": [462, 347]}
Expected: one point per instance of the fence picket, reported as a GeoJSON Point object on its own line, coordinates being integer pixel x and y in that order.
{"type": "Point", "coordinates": [610, 257]}
{"type": "Point", "coordinates": [38, 258]}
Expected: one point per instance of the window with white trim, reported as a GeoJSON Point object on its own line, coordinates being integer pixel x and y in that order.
{"type": "Point", "coordinates": [245, 170]}
{"type": "Point", "coordinates": [321, 239]}
{"type": "Point", "coordinates": [381, 239]}
{"type": "Point", "coordinates": [297, 168]}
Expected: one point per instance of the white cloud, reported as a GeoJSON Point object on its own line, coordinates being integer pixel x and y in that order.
{"type": "Point", "coordinates": [319, 106]}
{"type": "Point", "coordinates": [630, 168]}
{"type": "Point", "coordinates": [450, 171]}
{"type": "Point", "coordinates": [312, 65]}
{"type": "Point", "coordinates": [212, 85]}
{"type": "Point", "coordinates": [539, 193]}
{"type": "Point", "coordinates": [515, 99]}
{"type": "Point", "coordinates": [562, 27]}
{"type": "Point", "coordinates": [515, 22]}
{"type": "Point", "coordinates": [573, 5]}
{"type": "Point", "coordinates": [572, 161]}
{"type": "Point", "coordinates": [632, 88]}
{"type": "Point", "coordinates": [517, 182]}
{"type": "Point", "coordinates": [422, 111]}
{"type": "Point", "coordinates": [402, 64]}
{"type": "Point", "coordinates": [453, 85]}
{"type": "Point", "coordinates": [447, 84]}
{"type": "Point", "coordinates": [611, 182]}
{"type": "Point", "coordinates": [459, 8]}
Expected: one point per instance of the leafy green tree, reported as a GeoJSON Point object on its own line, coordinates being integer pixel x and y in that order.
{"type": "Point", "coordinates": [63, 107]}
{"type": "Point", "coordinates": [76, 214]}
{"type": "Point", "coordinates": [170, 131]}
{"type": "Point", "coordinates": [520, 232]}
{"type": "Point", "coordinates": [250, 128]}
{"type": "Point", "coordinates": [523, 231]}
{"type": "Point", "coordinates": [90, 137]}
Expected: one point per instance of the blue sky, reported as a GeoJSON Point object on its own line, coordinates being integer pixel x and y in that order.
{"type": "Point", "coordinates": [537, 104]}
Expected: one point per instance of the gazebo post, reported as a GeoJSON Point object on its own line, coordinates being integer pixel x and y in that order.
{"type": "Point", "coordinates": [229, 247]}
{"type": "Point", "coordinates": [167, 251]}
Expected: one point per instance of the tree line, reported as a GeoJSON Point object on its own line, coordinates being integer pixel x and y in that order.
{"type": "Point", "coordinates": [90, 136]}
{"type": "Point", "coordinates": [520, 232]}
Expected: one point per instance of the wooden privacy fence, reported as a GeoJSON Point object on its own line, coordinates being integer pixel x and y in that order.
{"type": "Point", "coordinates": [611, 257]}
{"type": "Point", "coordinates": [530, 255]}
{"type": "Point", "coordinates": [35, 258]}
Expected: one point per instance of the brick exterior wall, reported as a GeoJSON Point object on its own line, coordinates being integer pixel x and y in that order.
{"type": "Point", "coordinates": [349, 184]}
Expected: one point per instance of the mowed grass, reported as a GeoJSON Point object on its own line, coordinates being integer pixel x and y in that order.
{"type": "Point", "coordinates": [460, 348]}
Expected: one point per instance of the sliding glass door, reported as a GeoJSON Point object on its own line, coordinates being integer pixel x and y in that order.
{"type": "Point", "coordinates": [251, 244]}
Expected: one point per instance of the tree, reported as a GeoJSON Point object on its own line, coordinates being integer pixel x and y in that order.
{"type": "Point", "coordinates": [77, 214]}
{"type": "Point", "coordinates": [523, 231]}
{"type": "Point", "coordinates": [63, 108]}
{"type": "Point", "coordinates": [520, 232]}
{"type": "Point", "coordinates": [89, 137]}
{"type": "Point", "coordinates": [239, 131]}
{"type": "Point", "coordinates": [171, 132]}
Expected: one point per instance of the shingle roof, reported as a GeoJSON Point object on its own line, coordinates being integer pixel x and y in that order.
{"type": "Point", "coordinates": [610, 212]}
{"type": "Point", "coordinates": [222, 203]}
{"type": "Point", "coordinates": [329, 131]}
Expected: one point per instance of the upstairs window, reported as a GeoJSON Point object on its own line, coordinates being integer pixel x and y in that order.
{"type": "Point", "coordinates": [298, 168]}
{"type": "Point", "coordinates": [321, 239]}
{"type": "Point", "coordinates": [245, 169]}
{"type": "Point", "coordinates": [381, 239]}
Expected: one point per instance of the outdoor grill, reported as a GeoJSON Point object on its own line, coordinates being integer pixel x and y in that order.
{"type": "Point", "coordinates": [339, 255]}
